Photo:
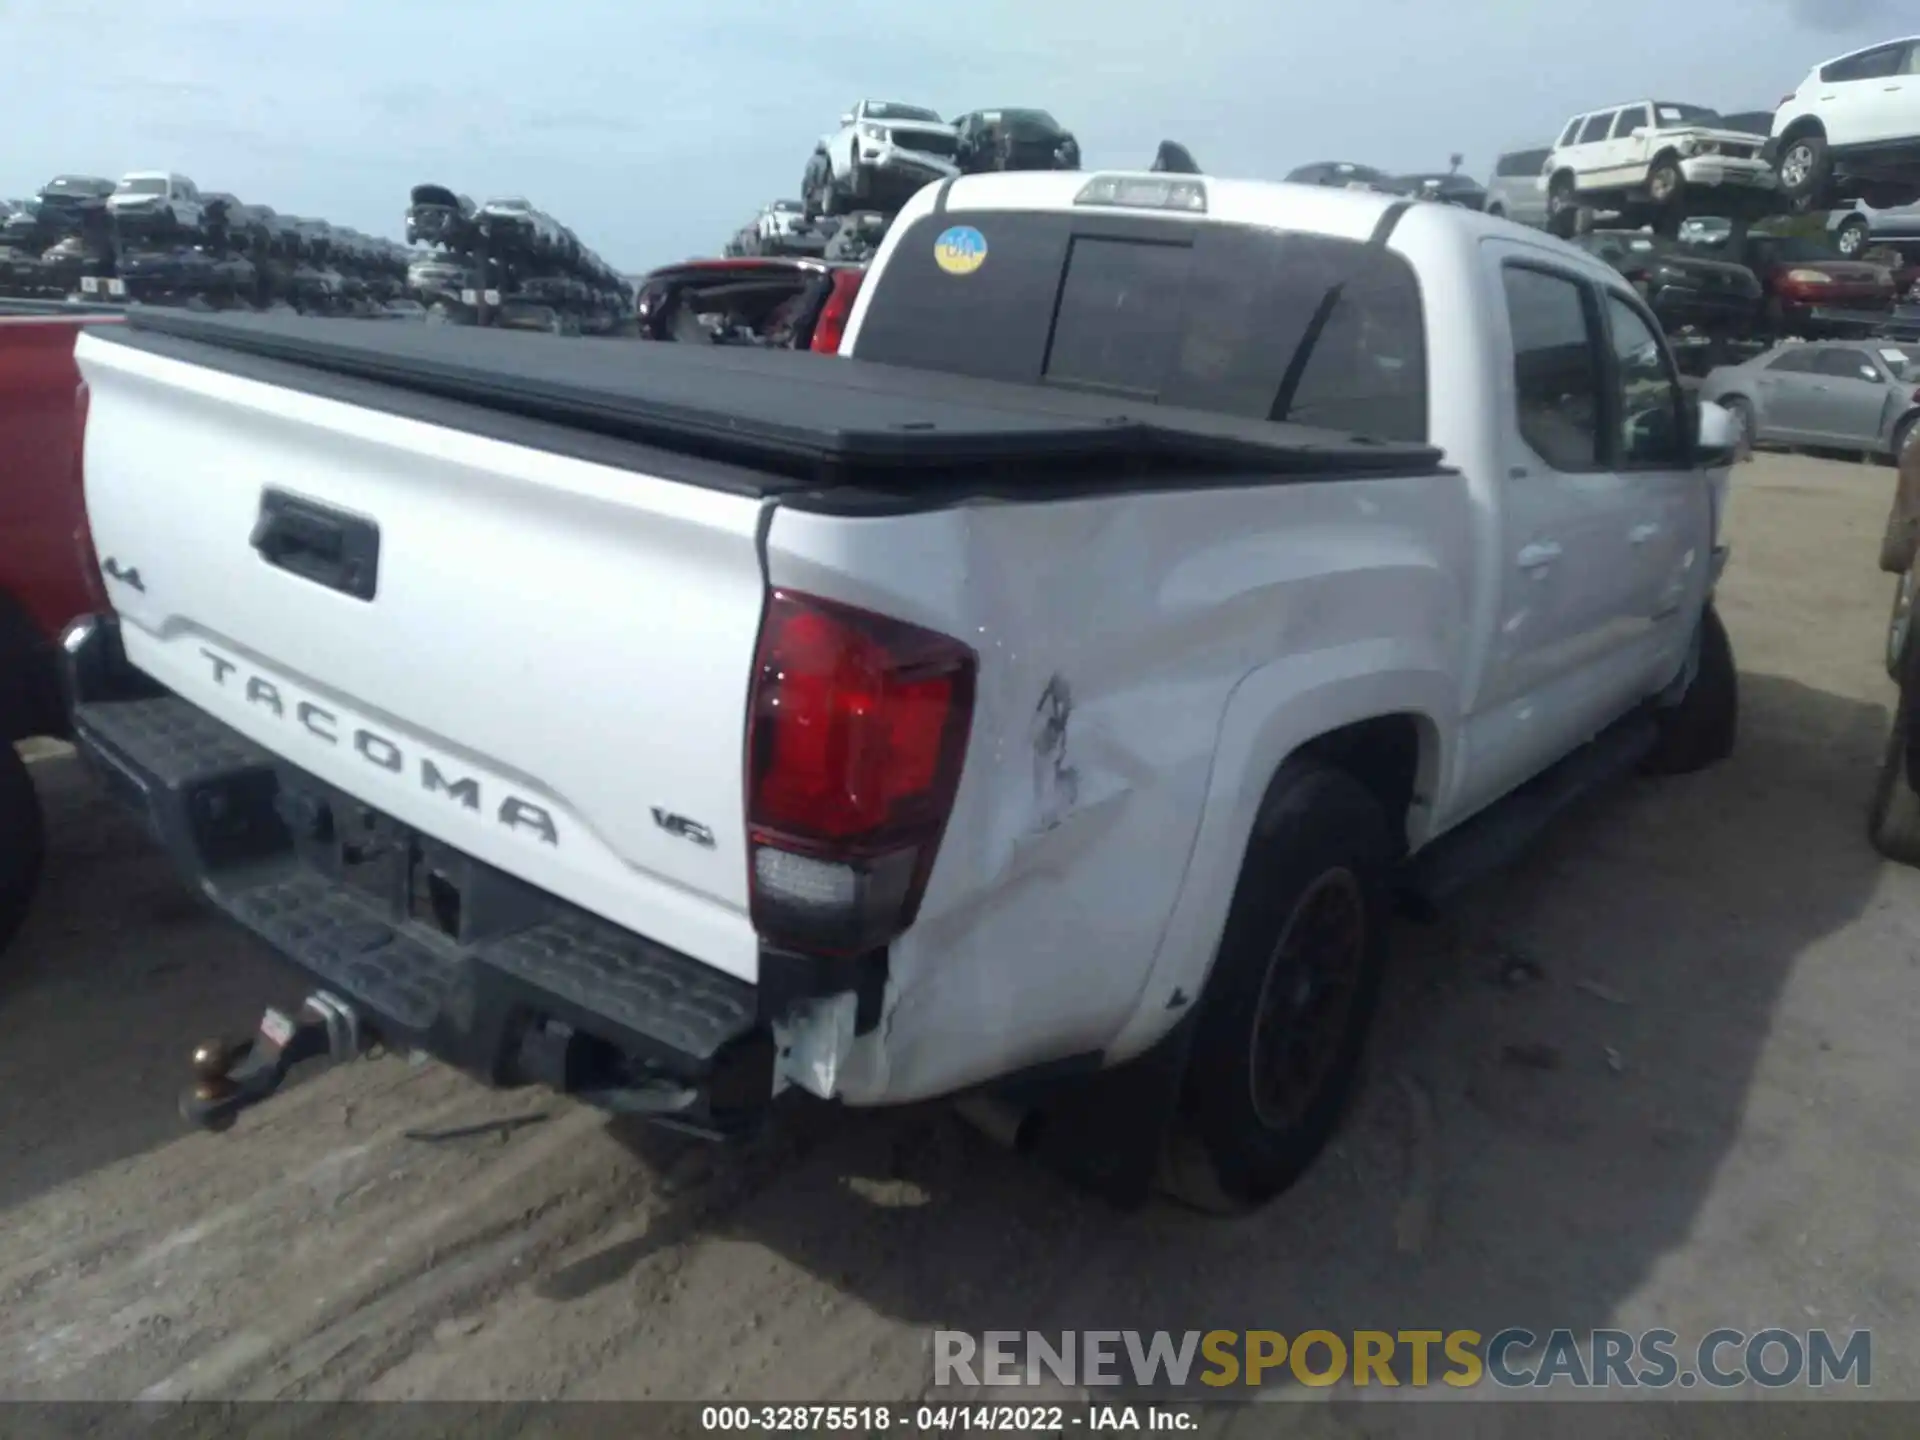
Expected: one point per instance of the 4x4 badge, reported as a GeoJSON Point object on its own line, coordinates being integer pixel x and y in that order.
{"type": "Point", "coordinates": [130, 577]}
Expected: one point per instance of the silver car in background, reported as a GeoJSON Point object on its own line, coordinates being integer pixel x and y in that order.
{"type": "Point", "coordinates": [1852, 395]}
{"type": "Point", "coordinates": [1518, 189]}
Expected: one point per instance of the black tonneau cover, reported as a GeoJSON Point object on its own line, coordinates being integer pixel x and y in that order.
{"type": "Point", "coordinates": [812, 416]}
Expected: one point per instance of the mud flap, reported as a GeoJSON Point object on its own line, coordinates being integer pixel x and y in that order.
{"type": "Point", "coordinates": [1104, 1131]}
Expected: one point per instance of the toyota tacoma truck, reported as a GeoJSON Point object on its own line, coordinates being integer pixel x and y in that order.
{"type": "Point", "coordinates": [1039, 703]}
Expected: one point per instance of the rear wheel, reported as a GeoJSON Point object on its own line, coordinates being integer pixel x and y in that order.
{"type": "Point", "coordinates": [1893, 817]}
{"type": "Point", "coordinates": [23, 842]}
{"type": "Point", "coordinates": [1665, 183]}
{"type": "Point", "coordinates": [1563, 210]}
{"type": "Point", "coordinates": [1805, 171]}
{"type": "Point", "coordinates": [1903, 436]}
{"type": "Point", "coordinates": [1285, 1014]}
{"type": "Point", "coordinates": [1850, 236]}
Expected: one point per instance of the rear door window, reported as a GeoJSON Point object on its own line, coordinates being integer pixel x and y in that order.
{"type": "Point", "coordinates": [1847, 365]}
{"type": "Point", "coordinates": [1225, 318]}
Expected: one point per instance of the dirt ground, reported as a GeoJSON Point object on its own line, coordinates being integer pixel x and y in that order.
{"type": "Point", "coordinates": [1727, 974]}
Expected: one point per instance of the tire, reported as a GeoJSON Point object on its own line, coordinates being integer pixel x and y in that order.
{"type": "Point", "coordinates": [1563, 211]}
{"type": "Point", "coordinates": [1665, 184]}
{"type": "Point", "coordinates": [1497, 210]}
{"type": "Point", "coordinates": [23, 843]}
{"type": "Point", "coordinates": [1315, 869]}
{"type": "Point", "coordinates": [1743, 423]}
{"type": "Point", "coordinates": [1700, 730]}
{"type": "Point", "coordinates": [1850, 236]}
{"type": "Point", "coordinates": [1903, 436]}
{"type": "Point", "coordinates": [1899, 623]}
{"type": "Point", "coordinates": [1809, 163]}
{"type": "Point", "coordinates": [1893, 816]}
{"type": "Point", "coordinates": [862, 187]}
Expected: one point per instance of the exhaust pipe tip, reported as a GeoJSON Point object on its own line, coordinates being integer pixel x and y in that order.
{"type": "Point", "coordinates": [1012, 1127]}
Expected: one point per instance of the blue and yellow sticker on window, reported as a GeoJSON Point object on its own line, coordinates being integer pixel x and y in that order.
{"type": "Point", "coordinates": [960, 250]}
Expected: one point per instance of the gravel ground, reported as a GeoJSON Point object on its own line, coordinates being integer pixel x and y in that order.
{"type": "Point", "coordinates": [1726, 976]}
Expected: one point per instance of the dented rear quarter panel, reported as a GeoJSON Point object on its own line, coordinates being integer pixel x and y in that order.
{"type": "Point", "coordinates": [1146, 662]}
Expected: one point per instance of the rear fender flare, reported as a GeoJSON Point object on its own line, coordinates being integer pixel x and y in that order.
{"type": "Point", "coordinates": [1274, 712]}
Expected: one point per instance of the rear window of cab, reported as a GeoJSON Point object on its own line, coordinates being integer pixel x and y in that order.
{"type": "Point", "coordinates": [1208, 316]}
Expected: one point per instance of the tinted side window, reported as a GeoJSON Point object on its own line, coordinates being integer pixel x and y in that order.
{"type": "Point", "coordinates": [1647, 397]}
{"type": "Point", "coordinates": [1792, 362]}
{"type": "Point", "coordinates": [1226, 318]}
{"type": "Point", "coordinates": [1867, 65]}
{"type": "Point", "coordinates": [1556, 367]}
{"type": "Point", "coordinates": [1596, 128]}
{"type": "Point", "coordinates": [1846, 365]}
{"type": "Point", "coordinates": [1567, 135]}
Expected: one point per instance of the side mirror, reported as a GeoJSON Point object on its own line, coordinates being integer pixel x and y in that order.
{"type": "Point", "coordinates": [1717, 436]}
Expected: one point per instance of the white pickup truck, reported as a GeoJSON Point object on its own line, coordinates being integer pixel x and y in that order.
{"type": "Point", "coordinates": [1040, 703]}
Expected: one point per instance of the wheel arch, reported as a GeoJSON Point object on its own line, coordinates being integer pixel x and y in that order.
{"type": "Point", "coordinates": [1383, 727]}
{"type": "Point", "coordinates": [1802, 126]}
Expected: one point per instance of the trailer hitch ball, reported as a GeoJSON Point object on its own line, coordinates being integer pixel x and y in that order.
{"type": "Point", "coordinates": [213, 1065]}
{"type": "Point", "coordinates": [233, 1075]}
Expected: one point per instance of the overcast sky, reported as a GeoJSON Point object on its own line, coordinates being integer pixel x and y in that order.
{"type": "Point", "coordinates": [655, 129]}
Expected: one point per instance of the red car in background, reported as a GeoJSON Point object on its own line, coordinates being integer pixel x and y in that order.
{"type": "Point", "coordinates": [48, 573]}
{"type": "Point", "coordinates": [776, 302]}
{"type": "Point", "coordinates": [1811, 291]}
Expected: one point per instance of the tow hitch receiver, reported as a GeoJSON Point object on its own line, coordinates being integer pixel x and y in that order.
{"type": "Point", "coordinates": [232, 1075]}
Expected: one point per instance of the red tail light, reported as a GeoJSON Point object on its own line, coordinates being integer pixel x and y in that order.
{"type": "Point", "coordinates": [83, 532]}
{"type": "Point", "coordinates": [858, 725]}
{"type": "Point", "coordinates": [831, 328]}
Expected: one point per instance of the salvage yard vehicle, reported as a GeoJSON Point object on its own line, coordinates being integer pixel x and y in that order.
{"type": "Point", "coordinates": [1446, 187]}
{"type": "Point", "coordinates": [783, 228]}
{"type": "Point", "coordinates": [1641, 160]}
{"type": "Point", "coordinates": [1040, 701]}
{"type": "Point", "coordinates": [882, 153]}
{"type": "Point", "coordinates": [1682, 287]}
{"type": "Point", "coordinates": [1861, 396]}
{"type": "Point", "coordinates": [1852, 130]}
{"type": "Point", "coordinates": [778, 303]}
{"type": "Point", "coordinates": [1518, 189]}
{"type": "Point", "coordinates": [47, 574]}
{"type": "Point", "coordinates": [1811, 291]}
{"type": "Point", "coordinates": [1014, 139]}
{"type": "Point", "coordinates": [156, 204]}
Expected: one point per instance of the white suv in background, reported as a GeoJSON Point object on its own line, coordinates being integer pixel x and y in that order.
{"type": "Point", "coordinates": [1852, 130]}
{"type": "Point", "coordinates": [158, 199]}
{"type": "Point", "coordinates": [1645, 155]}
{"type": "Point", "coordinates": [882, 153]}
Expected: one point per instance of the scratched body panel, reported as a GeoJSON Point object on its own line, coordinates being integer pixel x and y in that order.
{"type": "Point", "coordinates": [1113, 635]}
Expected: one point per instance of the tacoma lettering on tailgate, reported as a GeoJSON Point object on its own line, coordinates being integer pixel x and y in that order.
{"type": "Point", "coordinates": [321, 724]}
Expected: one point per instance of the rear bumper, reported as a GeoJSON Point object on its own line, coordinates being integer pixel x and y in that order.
{"type": "Point", "coordinates": [435, 950]}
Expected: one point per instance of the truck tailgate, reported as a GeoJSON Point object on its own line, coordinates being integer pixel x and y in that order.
{"type": "Point", "coordinates": [537, 659]}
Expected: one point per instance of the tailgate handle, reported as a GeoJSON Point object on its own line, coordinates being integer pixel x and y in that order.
{"type": "Point", "coordinates": [318, 543]}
